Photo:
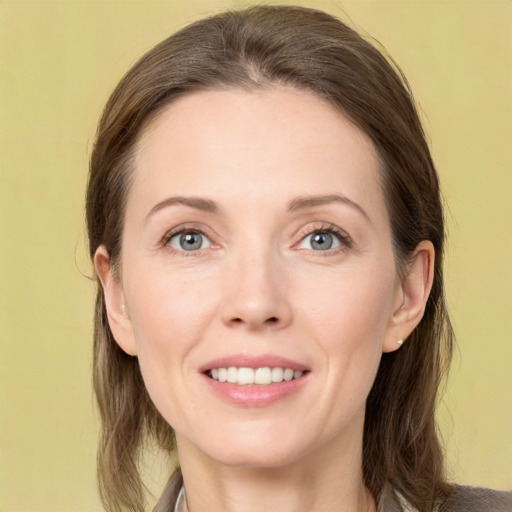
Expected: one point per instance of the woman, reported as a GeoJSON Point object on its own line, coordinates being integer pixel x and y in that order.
{"type": "Point", "coordinates": [265, 223]}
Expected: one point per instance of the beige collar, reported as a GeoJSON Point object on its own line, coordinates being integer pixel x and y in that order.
{"type": "Point", "coordinates": [181, 502]}
{"type": "Point", "coordinates": [404, 506]}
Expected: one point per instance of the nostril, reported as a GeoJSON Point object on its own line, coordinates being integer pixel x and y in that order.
{"type": "Point", "coordinates": [271, 320]}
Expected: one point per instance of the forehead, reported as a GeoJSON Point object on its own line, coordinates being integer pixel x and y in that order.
{"type": "Point", "coordinates": [233, 143]}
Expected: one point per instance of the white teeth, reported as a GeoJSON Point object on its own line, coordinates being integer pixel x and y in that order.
{"type": "Point", "coordinates": [263, 376]}
{"type": "Point", "coordinates": [277, 374]}
{"type": "Point", "coordinates": [248, 376]}
{"type": "Point", "coordinates": [245, 376]}
{"type": "Point", "coordinates": [232, 375]}
{"type": "Point", "coordinates": [288, 374]}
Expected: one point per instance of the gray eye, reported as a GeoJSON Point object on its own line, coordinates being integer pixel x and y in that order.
{"type": "Point", "coordinates": [320, 241]}
{"type": "Point", "coordinates": [189, 241]}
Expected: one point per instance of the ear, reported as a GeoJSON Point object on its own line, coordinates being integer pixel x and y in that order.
{"type": "Point", "coordinates": [117, 314]}
{"type": "Point", "coordinates": [413, 295]}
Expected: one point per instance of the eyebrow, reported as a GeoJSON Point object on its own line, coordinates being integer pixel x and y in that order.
{"type": "Point", "coordinates": [198, 203]}
{"type": "Point", "coordinates": [304, 202]}
{"type": "Point", "coordinates": [299, 203]}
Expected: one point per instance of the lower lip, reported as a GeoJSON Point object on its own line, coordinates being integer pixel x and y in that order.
{"type": "Point", "coordinates": [257, 395]}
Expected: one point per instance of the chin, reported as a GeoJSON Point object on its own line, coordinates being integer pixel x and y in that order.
{"type": "Point", "coordinates": [255, 450]}
{"type": "Point", "coordinates": [258, 457]}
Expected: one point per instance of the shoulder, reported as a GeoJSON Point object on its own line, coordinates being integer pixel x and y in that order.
{"type": "Point", "coordinates": [459, 499]}
{"type": "Point", "coordinates": [477, 499]}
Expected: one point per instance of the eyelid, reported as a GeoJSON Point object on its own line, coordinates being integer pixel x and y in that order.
{"type": "Point", "coordinates": [187, 228]}
{"type": "Point", "coordinates": [343, 237]}
{"type": "Point", "coordinates": [178, 236]}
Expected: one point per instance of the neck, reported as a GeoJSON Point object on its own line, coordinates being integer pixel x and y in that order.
{"type": "Point", "coordinates": [329, 479]}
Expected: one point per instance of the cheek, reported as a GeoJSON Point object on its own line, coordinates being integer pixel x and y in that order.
{"type": "Point", "coordinates": [348, 317]}
{"type": "Point", "coordinates": [168, 308]}
{"type": "Point", "coordinates": [169, 316]}
{"type": "Point", "coordinates": [352, 307]}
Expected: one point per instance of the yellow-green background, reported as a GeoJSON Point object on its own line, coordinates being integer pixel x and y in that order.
{"type": "Point", "coordinates": [59, 60]}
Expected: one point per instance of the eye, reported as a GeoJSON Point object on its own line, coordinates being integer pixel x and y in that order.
{"type": "Point", "coordinates": [323, 240]}
{"type": "Point", "coordinates": [189, 241]}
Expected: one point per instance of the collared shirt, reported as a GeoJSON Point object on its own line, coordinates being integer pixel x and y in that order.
{"type": "Point", "coordinates": [461, 499]}
{"type": "Point", "coordinates": [181, 503]}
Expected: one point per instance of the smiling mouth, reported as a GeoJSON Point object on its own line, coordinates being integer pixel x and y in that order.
{"type": "Point", "coordinates": [265, 376]}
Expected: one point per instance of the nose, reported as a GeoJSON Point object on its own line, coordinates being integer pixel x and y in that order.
{"type": "Point", "coordinates": [256, 294]}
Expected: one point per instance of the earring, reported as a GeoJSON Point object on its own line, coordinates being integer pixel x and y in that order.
{"type": "Point", "coordinates": [400, 342]}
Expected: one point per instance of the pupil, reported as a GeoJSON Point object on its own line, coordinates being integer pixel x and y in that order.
{"type": "Point", "coordinates": [322, 241]}
{"type": "Point", "coordinates": [191, 241]}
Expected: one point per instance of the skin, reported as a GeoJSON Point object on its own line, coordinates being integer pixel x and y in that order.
{"type": "Point", "coordinates": [257, 287]}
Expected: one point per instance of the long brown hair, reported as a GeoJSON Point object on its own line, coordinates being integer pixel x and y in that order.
{"type": "Point", "coordinates": [308, 49]}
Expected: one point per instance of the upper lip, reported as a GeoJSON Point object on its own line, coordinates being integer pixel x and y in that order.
{"type": "Point", "coordinates": [253, 361]}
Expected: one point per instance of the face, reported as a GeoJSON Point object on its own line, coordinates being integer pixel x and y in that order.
{"type": "Point", "coordinates": [256, 249]}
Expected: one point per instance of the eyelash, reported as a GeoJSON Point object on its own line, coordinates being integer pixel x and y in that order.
{"type": "Point", "coordinates": [180, 231]}
{"type": "Point", "coordinates": [342, 237]}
